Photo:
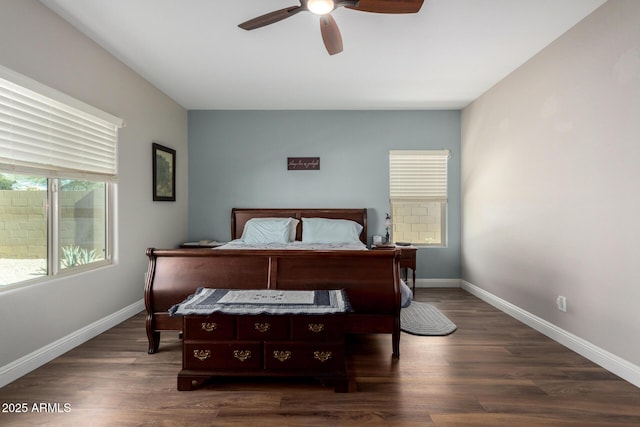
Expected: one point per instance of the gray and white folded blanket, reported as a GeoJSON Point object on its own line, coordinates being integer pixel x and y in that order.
{"type": "Point", "coordinates": [207, 301]}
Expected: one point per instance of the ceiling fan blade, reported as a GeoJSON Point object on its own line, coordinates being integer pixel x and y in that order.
{"type": "Point", "coordinates": [345, 3]}
{"type": "Point", "coordinates": [388, 6]}
{"type": "Point", "coordinates": [330, 34]}
{"type": "Point", "coordinates": [271, 17]}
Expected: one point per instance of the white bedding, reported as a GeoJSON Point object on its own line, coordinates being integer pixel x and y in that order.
{"type": "Point", "coordinates": [406, 294]}
{"type": "Point", "coordinates": [239, 244]}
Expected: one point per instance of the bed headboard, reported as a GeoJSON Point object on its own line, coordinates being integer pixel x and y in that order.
{"type": "Point", "coordinates": [240, 216]}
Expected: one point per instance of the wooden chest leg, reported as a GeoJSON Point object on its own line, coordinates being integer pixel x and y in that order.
{"type": "Point", "coordinates": [187, 381]}
{"type": "Point", "coordinates": [342, 385]}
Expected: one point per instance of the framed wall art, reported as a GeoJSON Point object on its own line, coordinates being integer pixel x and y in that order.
{"type": "Point", "coordinates": [164, 173]}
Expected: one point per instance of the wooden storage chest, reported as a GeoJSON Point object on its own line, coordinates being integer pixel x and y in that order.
{"type": "Point", "coordinates": [263, 345]}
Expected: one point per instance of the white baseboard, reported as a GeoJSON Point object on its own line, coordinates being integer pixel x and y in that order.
{"type": "Point", "coordinates": [34, 360]}
{"type": "Point", "coordinates": [437, 283]}
{"type": "Point", "coordinates": [624, 369]}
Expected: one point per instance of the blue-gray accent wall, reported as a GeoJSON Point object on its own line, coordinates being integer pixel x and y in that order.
{"type": "Point", "coordinates": [239, 159]}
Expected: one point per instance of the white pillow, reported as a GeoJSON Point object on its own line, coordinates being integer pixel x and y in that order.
{"type": "Point", "coordinates": [267, 230]}
{"type": "Point", "coordinates": [323, 230]}
{"type": "Point", "coordinates": [292, 229]}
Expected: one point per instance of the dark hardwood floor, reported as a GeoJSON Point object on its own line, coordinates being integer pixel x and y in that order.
{"type": "Point", "coordinates": [493, 371]}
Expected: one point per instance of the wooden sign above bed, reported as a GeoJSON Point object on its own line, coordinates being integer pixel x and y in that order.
{"type": "Point", "coordinates": [303, 163]}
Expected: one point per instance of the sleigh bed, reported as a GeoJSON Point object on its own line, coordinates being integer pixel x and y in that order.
{"type": "Point", "coordinates": [298, 259]}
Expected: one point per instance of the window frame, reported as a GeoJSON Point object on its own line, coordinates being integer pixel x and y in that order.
{"type": "Point", "coordinates": [32, 115]}
{"type": "Point", "coordinates": [420, 187]}
{"type": "Point", "coordinates": [53, 238]}
{"type": "Point", "coordinates": [53, 244]}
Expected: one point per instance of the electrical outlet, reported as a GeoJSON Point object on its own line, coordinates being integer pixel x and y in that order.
{"type": "Point", "coordinates": [562, 303]}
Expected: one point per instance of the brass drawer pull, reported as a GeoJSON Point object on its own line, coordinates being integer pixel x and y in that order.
{"type": "Point", "coordinates": [262, 327]}
{"type": "Point", "coordinates": [322, 356]}
{"type": "Point", "coordinates": [209, 326]}
{"type": "Point", "coordinates": [242, 355]}
{"type": "Point", "coordinates": [282, 355]}
{"type": "Point", "coordinates": [202, 355]}
{"type": "Point", "coordinates": [316, 327]}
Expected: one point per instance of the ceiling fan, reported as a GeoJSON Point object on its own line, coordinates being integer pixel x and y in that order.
{"type": "Point", "coordinates": [328, 27]}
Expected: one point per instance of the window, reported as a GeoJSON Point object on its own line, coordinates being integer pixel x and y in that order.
{"type": "Point", "coordinates": [58, 170]}
{"type": "Point", "coordinates": [418, 196]}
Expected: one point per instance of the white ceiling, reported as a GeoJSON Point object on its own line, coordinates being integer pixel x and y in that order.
{"type": "Point", "coordinates": [443, 57]}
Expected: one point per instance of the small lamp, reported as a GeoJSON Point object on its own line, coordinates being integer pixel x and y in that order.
{"type": "Point", "coordinates": [387, 226]}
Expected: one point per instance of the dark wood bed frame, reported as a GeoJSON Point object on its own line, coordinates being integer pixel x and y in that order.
{"type": "Point", "coordinates": [370, 278]}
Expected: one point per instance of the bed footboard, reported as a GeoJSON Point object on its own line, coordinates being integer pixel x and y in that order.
{"type": "Point", "coordinates": [371, 280]}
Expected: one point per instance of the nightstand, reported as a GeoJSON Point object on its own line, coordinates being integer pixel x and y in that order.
{"type": "Point", "coordinates": [408, 260]}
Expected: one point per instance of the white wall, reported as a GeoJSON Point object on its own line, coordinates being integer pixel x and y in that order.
{"type": "Point", "coordinates": [550, 173]}
{"type": "Point", "coordinates": [42, 46]}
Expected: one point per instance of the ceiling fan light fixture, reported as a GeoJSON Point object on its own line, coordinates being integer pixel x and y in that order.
{"type": "Point", "coordinates": [320, 7]}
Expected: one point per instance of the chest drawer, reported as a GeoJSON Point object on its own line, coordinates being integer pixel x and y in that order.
{"type": "Point", "coordinates": [229, 355]}
{"type": "Point", "coordinates": [317, 328]}
{"type": "Point", "coordinates": [263, 327]}
{"type": "Point", "coordinates": [408, 257]}
{"type": "Point", "coordinates": [304, 356]}
{"type": "Point", "coordinates": [263, 345]}
{"type": "Point", "coordinates": [218, 327]}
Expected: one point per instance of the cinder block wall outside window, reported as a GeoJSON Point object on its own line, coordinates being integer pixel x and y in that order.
{"type": "Point", "coordinates": [23, 223]}
{"type": "Point", "coordinates": [417, 222]}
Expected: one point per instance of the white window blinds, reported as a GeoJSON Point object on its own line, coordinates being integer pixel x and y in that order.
{"type": "Point", "coordinates": [418, 175]}
{"type": "Point", "coordinates": [45, 132]}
